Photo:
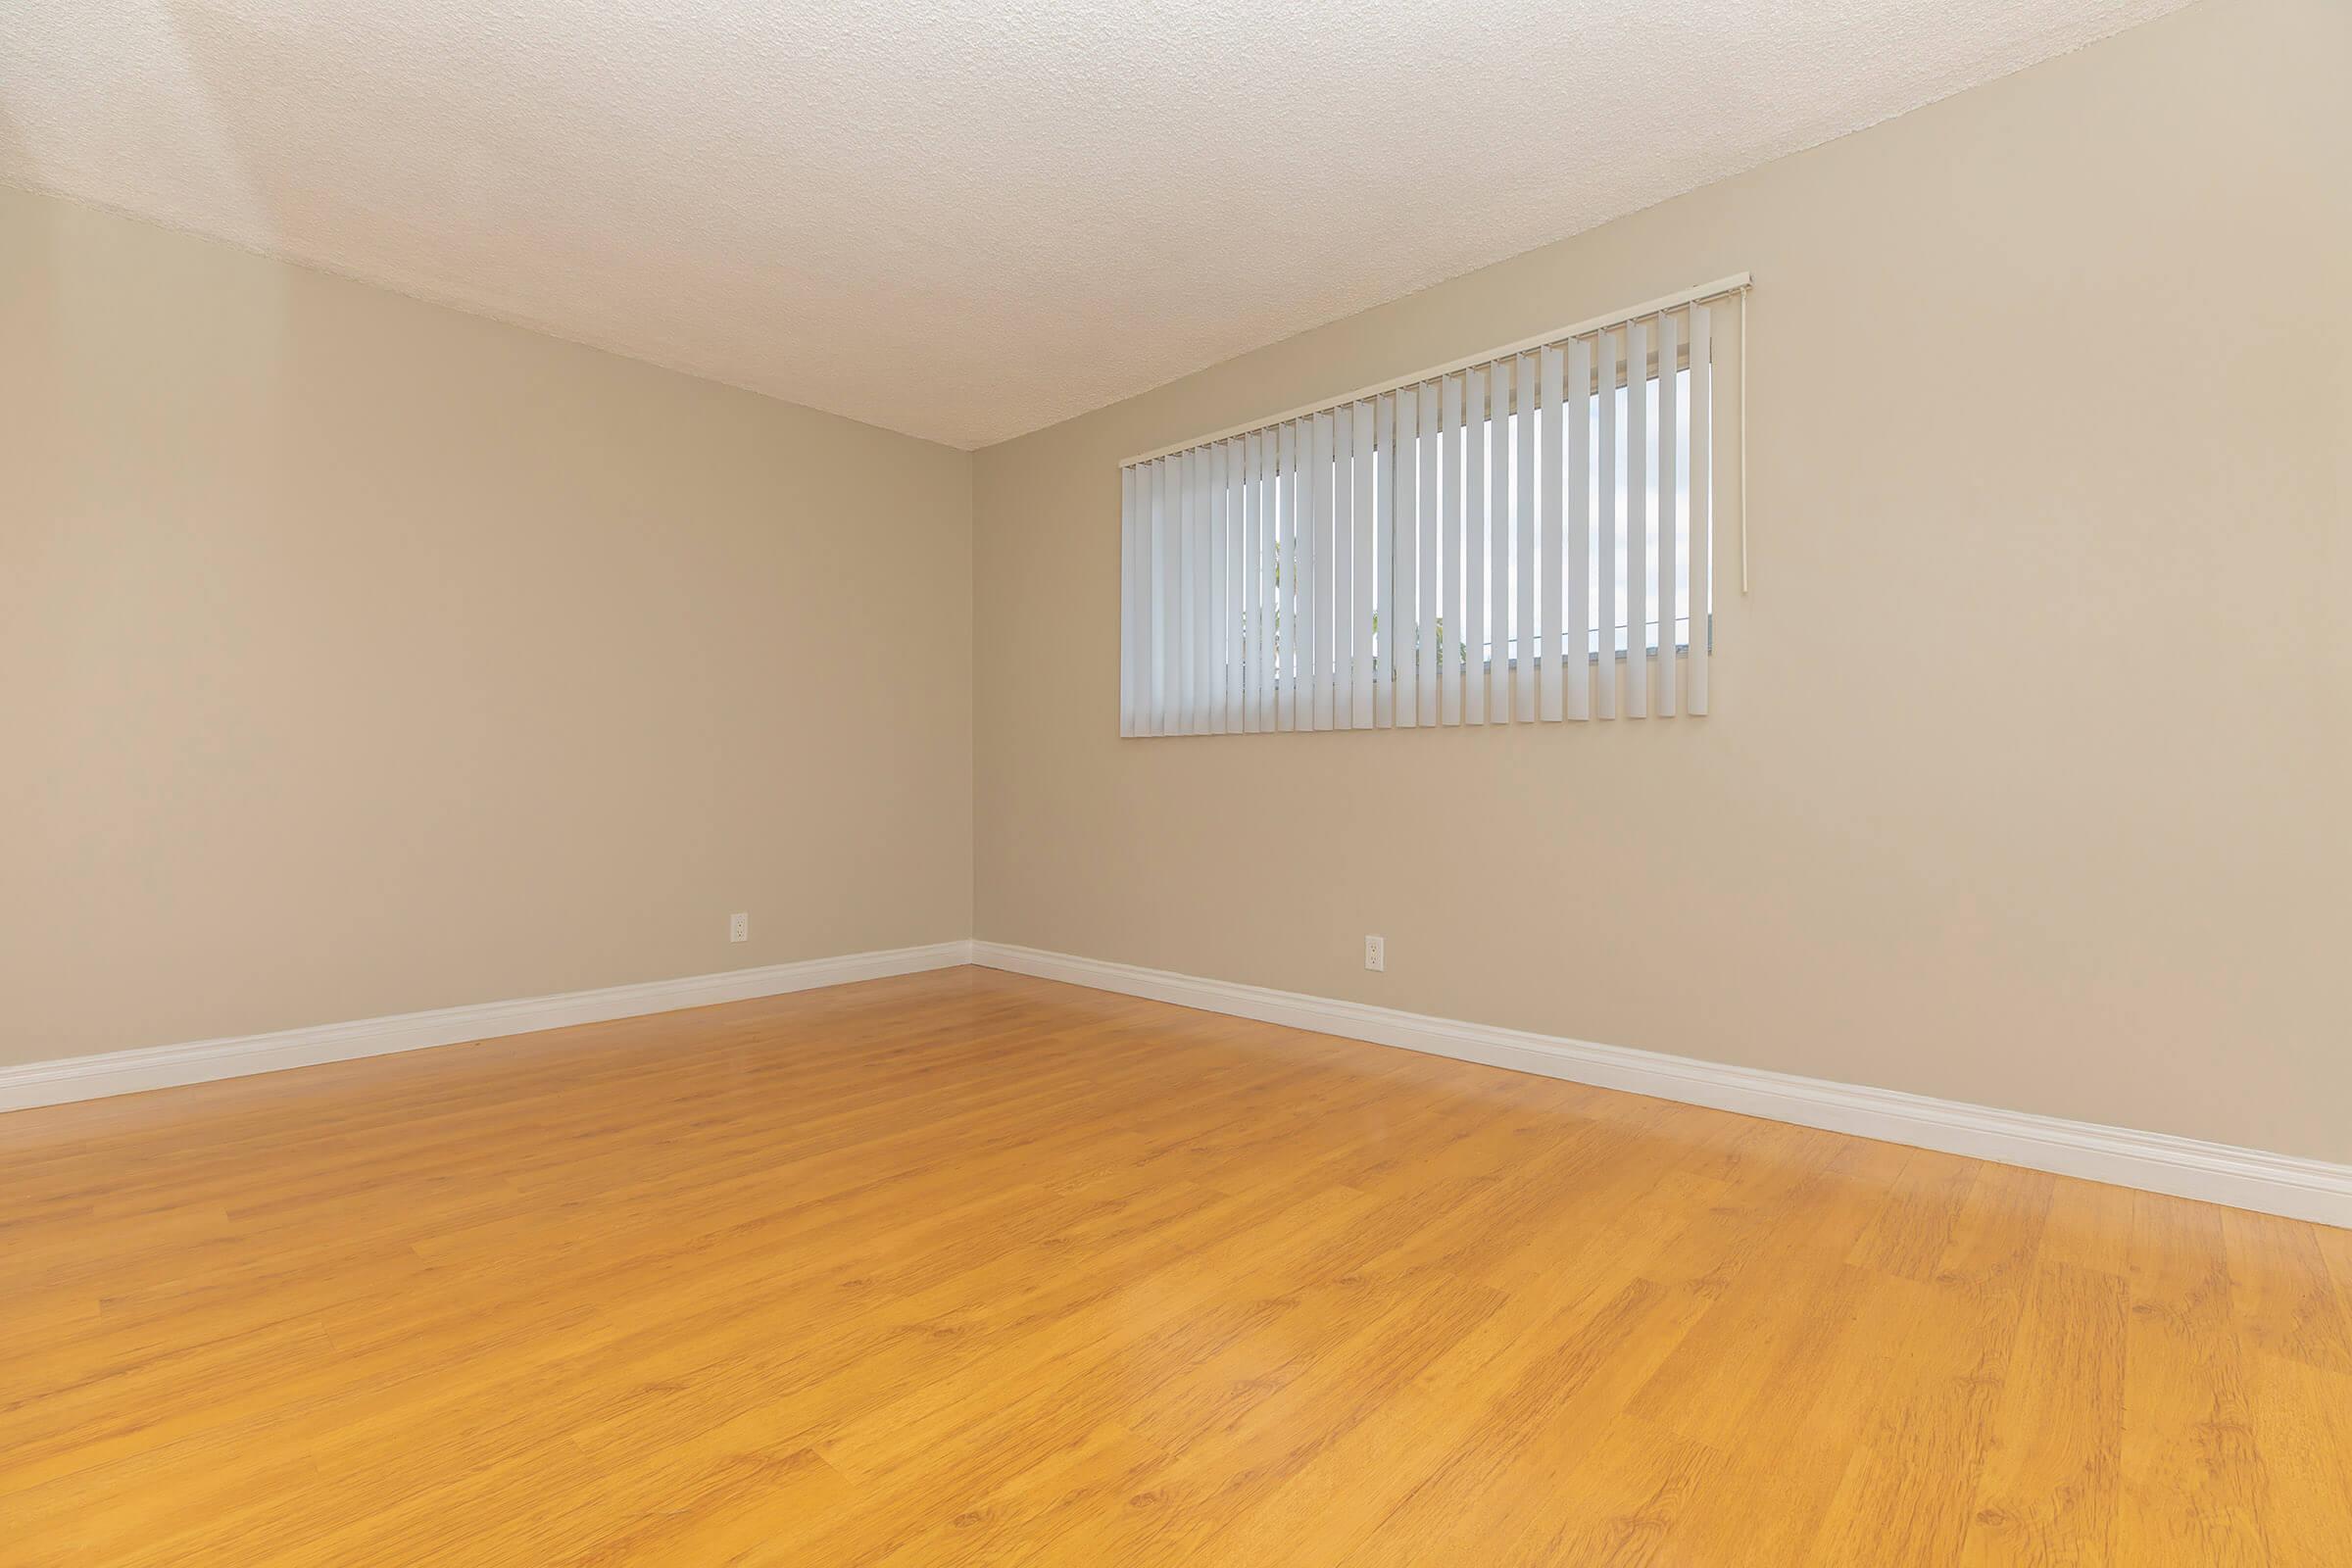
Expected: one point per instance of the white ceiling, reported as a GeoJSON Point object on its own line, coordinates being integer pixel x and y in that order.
{"type": "Point", "coordinates": [965, 218]}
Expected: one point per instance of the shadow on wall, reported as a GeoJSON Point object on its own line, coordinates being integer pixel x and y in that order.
{"type": "Point", "coordinates": [208, 147]}
{"type": "Point", "coordinates": [252, 124]}
{"type": "Point", "coordinates": [240, 132]}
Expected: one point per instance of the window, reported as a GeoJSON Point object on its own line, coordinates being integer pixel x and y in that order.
{"type": "Point", "coordinates": [1525, 537]}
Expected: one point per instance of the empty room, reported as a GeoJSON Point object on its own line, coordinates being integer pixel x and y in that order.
{"type": "Point", "coordinates": [1324, 786]}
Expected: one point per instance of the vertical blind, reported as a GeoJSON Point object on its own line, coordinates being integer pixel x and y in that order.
{"type": "Point", "coordinates": [1525, 537]}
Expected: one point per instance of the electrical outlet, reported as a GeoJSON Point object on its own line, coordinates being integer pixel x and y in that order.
{"type": "Point", "coordinates": [1376, 952]}
{"type": "Point", "coordinates": [739, 928]}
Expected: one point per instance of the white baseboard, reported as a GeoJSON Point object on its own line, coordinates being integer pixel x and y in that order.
{"type": "Point", "coordinates": [2157, 1162]}
{"type": "Point", "coordinates": [2186, 1167]}
{"type": "Point", "coordinates": [127, 1072]}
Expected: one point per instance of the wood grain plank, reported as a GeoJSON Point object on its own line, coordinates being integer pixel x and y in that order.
{"type": "Point", "coordinates": [968, 1269]}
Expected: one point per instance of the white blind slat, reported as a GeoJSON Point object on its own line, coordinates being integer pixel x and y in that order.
{"type": "Point", "coordinates": [1212, 630]}
{"type": "Point", "coordinates": [1217, 633]}
{"type": "Point", "coordinates": [1384, 562]}
{"type": "Point", "coordinates": [1203, 586]}
{"type": "Point", "coordinates": [1163, 590]}
{"type": "Point", "coordinates": [1303, 596]}
{"type": "Point", "coordinates": [1261, 587]}
{"type": "Point", "coordinates": [1286, 579]}
{"type": "Point", "coordinates": [1146, 578]}
{"type": "Point", "coordinates": [1361, 576]}
{"type": "Point", "coordinates": [1236, 634]}
{"type": "Point", "coordinates": [1314, 586]}
{"type": "Point", "coordinates": [1450, 551]}
{"type": "Point", "coordinates": [1341, 571]}
{"type": "Point", "coordinates": [1525, 640]}
{"type": "Point", "coordinates": [1637, 520]}
{"type": "Point", "coordinates": [1277, 573]}
{"type": "Point", "coordinates": [1300, 599]}
{"type": "Point", "coordinates": [1576, 415]}
{"type": "Point", "coordinates": [1155, 700]}
{"type": "Point", "coordinates": [1127, 622]}
{"type": "Point", "coordinates": [1237, 588]}
{"type": "Point", "coordinates": [1670, 556]}
{"type": "Point", "coordinates": [1171, 721]}
{"type": "Point", "coordinates": [1702, 506]}
{"type": "Point", "coordinates": [1551, 530]}
{"type": "Point", "coordinates": [1270, 526]}
{"type": "Point", "coordinates": [1425, 625]}
{"type": "Point", "coordinates": [1474, 546]}
{"type": "Point", "coordinates": [1197, 603]}
{"type": "Point", "coordinates": [1178, 720]}
{"type": "Point", "coordinates": [1147, 585]}
{"type": "Point", "coordinates": [1298, 603]}
{"type": "Point", "coordinates": [1607, 524]}
{"type": "Point", "coordinates": [1402, 643]}
{"type": "Point", "coordinates": [1500, 703]}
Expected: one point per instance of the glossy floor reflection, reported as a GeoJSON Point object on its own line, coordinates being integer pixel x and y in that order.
{"type": "Point", "coordinates": [970, 1268]}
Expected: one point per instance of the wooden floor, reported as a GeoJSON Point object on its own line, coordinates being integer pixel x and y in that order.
{"type": "Point", "coordinates": [968, 1269]}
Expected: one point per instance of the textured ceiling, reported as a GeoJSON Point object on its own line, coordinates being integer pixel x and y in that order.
{"type": "Point", "coordinates": [965, 218]}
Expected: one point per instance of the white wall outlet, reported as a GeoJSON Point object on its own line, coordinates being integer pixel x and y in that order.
{"type": "Point", "coordinates": [739, 928]}
{"type": "Point", "coordinates": [1376, 952]}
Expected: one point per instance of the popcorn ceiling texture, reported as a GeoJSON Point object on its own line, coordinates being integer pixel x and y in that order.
{"type": "Point", "coordinates": [963, 220]}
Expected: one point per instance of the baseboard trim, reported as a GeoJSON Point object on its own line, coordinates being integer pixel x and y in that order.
{"type": "Point", "coordinates": [130, 1072]}
{"type": "Point", "coordinates": [2157, 1162]}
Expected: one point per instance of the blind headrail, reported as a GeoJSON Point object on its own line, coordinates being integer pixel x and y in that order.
{"type": "Point", "coordinates": [1722, 287]}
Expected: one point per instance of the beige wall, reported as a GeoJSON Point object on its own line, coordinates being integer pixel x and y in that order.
{"type": "Point", "coordinates": [358, 656]}
{"type": "Point", "coordinates": [2027, 776]}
